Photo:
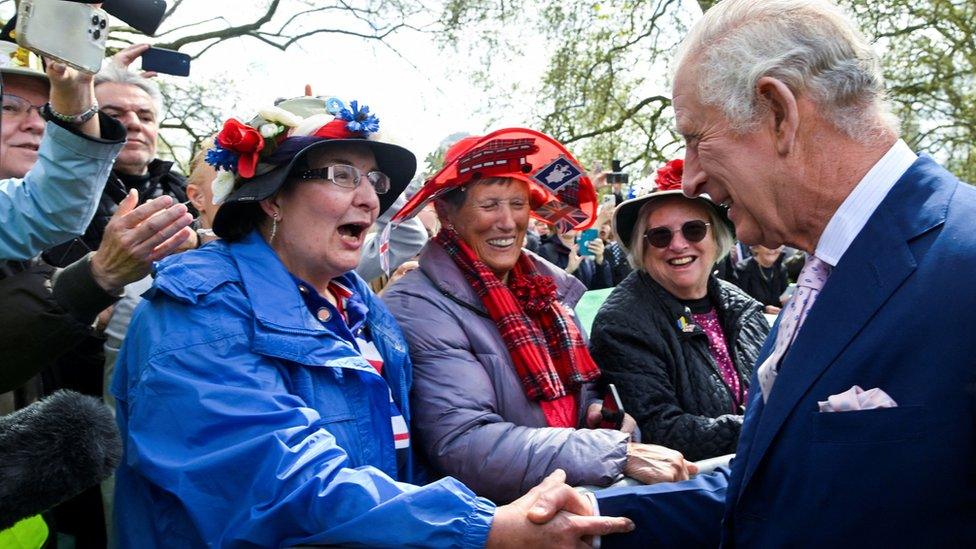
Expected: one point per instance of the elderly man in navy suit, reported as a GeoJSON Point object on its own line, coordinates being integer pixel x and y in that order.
{"type": "Point", "coordinates": [861, 423]}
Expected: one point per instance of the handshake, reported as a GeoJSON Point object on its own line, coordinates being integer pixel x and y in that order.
{"type": "Point", "coordinates": [552, 514]}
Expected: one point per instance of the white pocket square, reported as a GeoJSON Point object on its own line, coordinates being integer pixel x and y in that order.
{"type": "Point", "coordinates": [857, 398]}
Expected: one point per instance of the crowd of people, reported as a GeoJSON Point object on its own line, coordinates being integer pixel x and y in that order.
{"type": "Point", "coordinates": [300, 351]}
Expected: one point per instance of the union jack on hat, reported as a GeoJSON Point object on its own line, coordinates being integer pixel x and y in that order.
{"type": "Point", "coordinates": [559, 188]}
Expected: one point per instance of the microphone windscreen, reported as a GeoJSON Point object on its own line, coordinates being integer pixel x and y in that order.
{"type": "Point", "coordinates": [53, 450]}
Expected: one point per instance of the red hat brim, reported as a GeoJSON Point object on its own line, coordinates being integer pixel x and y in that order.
{"type": "Point", "coordinates": [561, 192]}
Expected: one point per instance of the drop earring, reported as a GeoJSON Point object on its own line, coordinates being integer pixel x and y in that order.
{"type": "Point", "coordinates": [274, 228]}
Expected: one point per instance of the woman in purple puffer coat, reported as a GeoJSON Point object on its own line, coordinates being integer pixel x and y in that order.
{"type": "Point", "coordinates": [503, 387]}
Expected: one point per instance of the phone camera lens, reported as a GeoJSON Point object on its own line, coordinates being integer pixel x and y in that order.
{"type": "Point", "coordinates": [94, 19]}
{"type": "Point", "coordinates": [97, 34]}
{"type": "Point", "coordinates": [101, 24]}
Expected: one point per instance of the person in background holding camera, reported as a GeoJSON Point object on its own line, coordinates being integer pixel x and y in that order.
{"type": "Point", "coordinates": [589, 266]}
{"type": "Point", "coordinates": [74, 151]}
{"type": "Point", "coordinates": [130, 103]}
{"type": "Point", "coordinates": [45, 314]}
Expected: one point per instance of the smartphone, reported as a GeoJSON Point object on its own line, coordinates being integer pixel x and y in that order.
{"type": "Point", "coordinates": [142, 15]}
{"type": "Point", "coordinates": [617, 175]}
{"type": "Point", "coordinates": [166, 62]}
{"type": "Point", "coordinates": [613, 410]}
{"type": "Point", "coordinates": [66, 31]}
{"type": "Point", "coordinates": [584, 238]}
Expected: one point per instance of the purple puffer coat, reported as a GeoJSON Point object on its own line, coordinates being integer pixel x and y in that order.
{"type": "Point", "coordinates": [471, 415]}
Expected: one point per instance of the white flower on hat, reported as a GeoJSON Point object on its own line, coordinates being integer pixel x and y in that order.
{"type": "Point", "coordinates": [280, 116]}
{"type": "Point", "coordinates": [312, 124]}
{"type": "Point", "coordinates": [270, 130]}
{"type": "Point", "coordinates": [222, 185]}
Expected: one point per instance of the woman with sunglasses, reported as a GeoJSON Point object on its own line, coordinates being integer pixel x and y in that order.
{"type": "Point", "coordinates": [262, 388]}
{"type": "Point", "coordinates": [679, 343]}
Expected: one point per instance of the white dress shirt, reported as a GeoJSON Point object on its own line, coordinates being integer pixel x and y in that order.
{"type": "Point", "coordinates": [860, 205]}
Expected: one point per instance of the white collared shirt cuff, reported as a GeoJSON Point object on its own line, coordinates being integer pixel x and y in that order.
{"type": "Point", "coordinates": [596, 512]}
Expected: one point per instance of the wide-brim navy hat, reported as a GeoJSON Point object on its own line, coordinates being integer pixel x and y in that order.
{"type": "Point", "coordinates": [307, 125]}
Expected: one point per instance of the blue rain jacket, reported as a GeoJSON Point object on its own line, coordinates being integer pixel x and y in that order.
{"type": "Point", "coordinates": [246, 423]}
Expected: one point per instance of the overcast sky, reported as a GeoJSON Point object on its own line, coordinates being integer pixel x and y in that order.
{"type": "Point", "coordinates": [421, 95]}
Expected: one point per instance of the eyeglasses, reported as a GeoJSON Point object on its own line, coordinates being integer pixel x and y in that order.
{"type": "Point", "coordinates": [348, 177]}
{"type": "Point", "coordinates": [17, 107]}
{"type": "Point", "coordinates": [693, 231]}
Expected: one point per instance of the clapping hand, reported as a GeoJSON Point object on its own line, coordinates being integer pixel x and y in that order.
{"type": "Point", "coordinates": [135, 237]}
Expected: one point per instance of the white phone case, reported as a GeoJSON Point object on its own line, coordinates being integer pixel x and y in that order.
{"type": "Point", "coordinates": [67, 31]}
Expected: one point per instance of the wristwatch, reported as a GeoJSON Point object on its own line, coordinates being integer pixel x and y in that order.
{"type": "Point", "coordinates": [49, 113]}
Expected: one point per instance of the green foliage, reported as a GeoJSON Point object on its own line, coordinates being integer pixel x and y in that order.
{"type": "Point", "coordinates": [605, 90]}
{"type": "Point", "coordinates": [930, 66]}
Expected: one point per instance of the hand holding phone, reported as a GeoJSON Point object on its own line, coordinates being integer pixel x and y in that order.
{"type": "Point", "coordinates": [613, 410]}
{"type": "Point", "coordinates": [65, 31]}
{"type": "Point", "coordinates": [584, 239]}
{"type": "Point", "coordinates": [166, 62]}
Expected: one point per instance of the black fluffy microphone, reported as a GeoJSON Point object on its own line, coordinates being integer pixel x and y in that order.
{"type": "Point", "coordinates": [51, 451]}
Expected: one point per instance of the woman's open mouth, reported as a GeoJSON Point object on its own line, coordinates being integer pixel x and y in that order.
{"type": "Point", "coordinates": [353, 233]}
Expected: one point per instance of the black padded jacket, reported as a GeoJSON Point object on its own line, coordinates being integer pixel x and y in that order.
{"type": "Point", "coordinates": [666, 377]}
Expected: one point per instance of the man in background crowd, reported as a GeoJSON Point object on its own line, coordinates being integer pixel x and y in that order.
{"type": "Point", "coordinates": [136, 103]}
{"type": "Point", "coordinates": [763, 276]}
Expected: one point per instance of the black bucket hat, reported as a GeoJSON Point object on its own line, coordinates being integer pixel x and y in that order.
{"type": "Point", "coordinates": [287, 134]}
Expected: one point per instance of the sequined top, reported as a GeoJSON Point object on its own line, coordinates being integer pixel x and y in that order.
{"type": "Point", "coordinates": [719, 349]}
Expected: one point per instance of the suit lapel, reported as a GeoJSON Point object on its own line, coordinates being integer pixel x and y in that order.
{"type": "Point", "coordinates": [874, 266]}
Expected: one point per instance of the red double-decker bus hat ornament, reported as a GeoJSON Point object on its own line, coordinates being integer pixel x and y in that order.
{"type": "Point", "coordinates": [560, 192]}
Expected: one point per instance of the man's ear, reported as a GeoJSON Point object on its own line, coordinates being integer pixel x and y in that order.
{"type": "Point", "coordinates": [782, 116]}
{"type": "Point", "coordinates": [196, 197]}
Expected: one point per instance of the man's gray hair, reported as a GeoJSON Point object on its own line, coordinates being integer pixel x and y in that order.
{"type": "Point", "coordinates": [718, 230]}
{"type": "Point", "coordinates": [810, 45]}
{"type": "Point", "coordinates": [113, 73]}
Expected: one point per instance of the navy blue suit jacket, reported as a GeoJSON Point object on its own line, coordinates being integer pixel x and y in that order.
{"type": "Point", "coordinates": [898, 313]}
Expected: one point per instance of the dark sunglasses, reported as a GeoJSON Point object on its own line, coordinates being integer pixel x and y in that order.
{"type": "Point", "coordinates": [693, 231]}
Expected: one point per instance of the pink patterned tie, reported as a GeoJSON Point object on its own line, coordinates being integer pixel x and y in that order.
{"type": "Point", "coordinates": [812, 279]}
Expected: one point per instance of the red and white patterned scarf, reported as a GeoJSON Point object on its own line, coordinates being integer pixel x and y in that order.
{"type": "Point", "coordinates": [550, 358]}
